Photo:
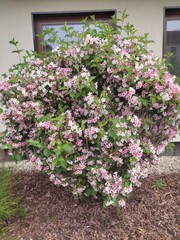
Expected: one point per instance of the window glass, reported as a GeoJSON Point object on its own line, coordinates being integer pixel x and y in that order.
{"type": "Point", "coordinates": [56, 21]}
{"type": "Point", "coordinates": [172, 39]}
{"type": "Point", "coordinates": [60, 32]}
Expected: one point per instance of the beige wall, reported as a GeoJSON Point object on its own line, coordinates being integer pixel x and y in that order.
{"type": "Point", "coordinates": [16, 21]}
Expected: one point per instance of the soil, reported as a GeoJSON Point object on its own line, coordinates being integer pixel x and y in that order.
{"type": "Point", "coordinates": [52, 213]}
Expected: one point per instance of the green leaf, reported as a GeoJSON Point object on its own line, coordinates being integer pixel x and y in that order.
{"type": "Point", "coordinates": [144, 101]}
{"type": "Point", "coordinates": [13, 42]}
{"type": "Point", "coordinates": [83, 122]}
{"type": "Point", "coordinates": [72, 95]}
{"type": "Point", "coordinates": [39, 133]}
{"type": "Point", "coordinates": [115, 121]}
{"type": "Point", "coordinates": [17, 51]}
{"type": "Point", "coordinates": [46, 152]}
{"type": "Point", "coordinates": [123, 129]}
{"type": "Point", "coordinates": [6, 146]}
{"type": "Point", "coordinates": [88, 168]}
{"type": "Point", "coordinates": [17, 156]}
{"type": "Point", "coordinates": [105, 203]}
{"type": "Point", "coordinates": [55, 163]}
{"type": "Point", "coordinates": [112, 133]}
{"type": "Point", "coordinates": [37, 144]}
{"type": "Point", "coordinates": [115, 202]}
{"type": "Point", "coordinates": [90, 192]}
{"type": "Point", "coordinates": [59, 121]}
{"type": "Point", "coordinates": [170, 147]}
{"type": "Point", "coordinates": [127, 176]}
{"type": "Point", "coordinates": [13, 80]}
{"type": "Point", "coordinates": [1, 110]}
{"type": "Point", "coordinates": [147, 150]}
{"type": "Point", "coordinates": [67, 147]}
{"type": "Point", "coordinates": [60, 161]}
{"type": "Point", "coordinates": [92, 17]}
{"type": "Point", "coordinates": [58, 151]}
{"type": "Point", "coordinates": [131, 160]}
{"type": "Point", "coordinates": [178, 106]}
{"type": "Point", "coordinates": [63, 163]}
{"type": "Point", "coordinates": [154, 100]}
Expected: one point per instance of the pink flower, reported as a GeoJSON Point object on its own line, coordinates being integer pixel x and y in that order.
{"type": "Point", "coordinates": [121, 203]}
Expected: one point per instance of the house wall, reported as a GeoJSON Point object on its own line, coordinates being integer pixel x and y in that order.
{"type": "Point", "coordinates": [16, 20]}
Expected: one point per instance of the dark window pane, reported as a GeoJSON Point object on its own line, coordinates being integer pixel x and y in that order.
{"type": "Point", "coordinates": [172, 39]}
{"type": "Point", "coordinates": [173, 44]}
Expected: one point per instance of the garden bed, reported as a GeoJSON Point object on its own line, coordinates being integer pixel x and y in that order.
{"type": "Point", "coordinates": [53, 214]}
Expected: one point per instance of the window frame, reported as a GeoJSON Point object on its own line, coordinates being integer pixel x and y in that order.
{"type": "Point", "coordinates": [169, 14]}
{"type": "Point", "coordinates": [40, 18]}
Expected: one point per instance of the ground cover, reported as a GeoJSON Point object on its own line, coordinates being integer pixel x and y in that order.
{"type": "Point", "coordinates": [53, 214]}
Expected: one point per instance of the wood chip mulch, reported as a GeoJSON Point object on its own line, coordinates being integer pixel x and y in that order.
{"type": "Point", "coordinates": [53, 214]}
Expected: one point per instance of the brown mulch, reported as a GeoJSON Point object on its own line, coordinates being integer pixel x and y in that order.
{"type": "Point", "coordinates": [53, 214]}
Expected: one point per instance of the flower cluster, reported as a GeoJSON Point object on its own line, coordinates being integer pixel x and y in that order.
{"type": "Point", "coordinates": [94, 115]}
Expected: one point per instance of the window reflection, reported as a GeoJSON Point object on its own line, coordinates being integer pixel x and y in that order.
{"type": "Point", "coordinates": [60, 33]}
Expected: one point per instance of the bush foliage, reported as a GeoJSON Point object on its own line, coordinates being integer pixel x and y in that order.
{"type": "Point", "coordinates": [94, 112]}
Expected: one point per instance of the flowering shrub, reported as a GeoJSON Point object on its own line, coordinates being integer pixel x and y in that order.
{"type": "Point", "coordinates": [94, 113]}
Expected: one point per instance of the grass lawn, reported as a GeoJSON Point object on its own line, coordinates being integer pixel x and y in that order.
{"type": "Point", "coordinates": [9, 205]}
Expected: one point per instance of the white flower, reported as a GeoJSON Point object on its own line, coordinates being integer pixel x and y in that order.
{"type": "Point", "coordinates": [109, 203]}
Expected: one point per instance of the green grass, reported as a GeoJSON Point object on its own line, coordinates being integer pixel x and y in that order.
{"type": "Point", "coordinates": [159, 184]}
{"type": "Point", "coordinates": [9, 205]}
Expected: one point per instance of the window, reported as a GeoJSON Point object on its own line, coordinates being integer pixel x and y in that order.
{"type": "Point", "coordinates": [172, 38]}
{"type": "Point", "coordinates": [56, 20]}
